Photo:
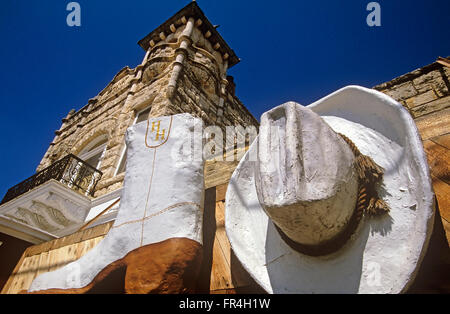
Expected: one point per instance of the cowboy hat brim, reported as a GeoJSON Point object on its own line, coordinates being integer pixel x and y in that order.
{"type": "Point", "coordinates": [385, 252]}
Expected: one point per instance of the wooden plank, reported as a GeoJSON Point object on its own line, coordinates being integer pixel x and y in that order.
{"type": "Point", "coordinates": [434, 124]}
{"type": "Point", "coordinates": [71, 253]}
{"type": "Point", "coordinates": [83, 248]}
{"type": "Point", "coordinates": [218, 180]}
{"type": "Point", "coordinates": [442, 191]}
{"type": "Point", "coordinates": [438, 160]}
{"type": "Point", "coordinates": [97, 231]}
{"type": "Point", "coordinates": [209, 230]}
{"type": "Point", "coordinates": [19, 277]}
{"type": "Point", "coordinates": [71, 239]}
{"type": "Point", "coordinates": [38, 249]}
{"type": "Point", "coordinates": [443, 140]}
{"type": "Point", "coordinates": [8, 284]}
{"type": "Point", "coordinates": [238, 279]}
{"type": "Point", "coordinates": [220, 214]}
{"type": "Point", "coordinates": [438, 156]}
{"type": "Point", "coordinates": [55, 257]}
{"type": "Point", "coordinates": [446, 225]}
{"type": "Point", "coordinates": [218, 172]}
{"type": "Point", "coordinates": [35, 265]}
{"type": "Point", "coordinates": [23, 278]}
{"type": "Point", "coordinates": [224, 274]}
{"type": "Point", "coordinates": [221, 191]}
{"type": "Point", "coordinates": [220, 271]}
{"type": "Point", "coordinates": [44, 261]}
{"type": "Point", "coordinates": [221, 235]}
{"type": "Point", "coordinates": [64, 256]}
{"type": "Point", "coordinates": [92, 243]}
{"type": "Point", "coordinates": [31, 273]}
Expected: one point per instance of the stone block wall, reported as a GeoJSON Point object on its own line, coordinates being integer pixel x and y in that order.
{"type": "Point", "coordinates": [423, 91]}
{"type": "Point", "coordinates": [426, 94]}
{"type": "Point", "coordinates": [103, 115]}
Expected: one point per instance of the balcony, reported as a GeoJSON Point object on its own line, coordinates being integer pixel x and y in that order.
{"type": "Point", "coordinates": [71, 171]}
{"type": "Point", "coordinates": [51, 203]}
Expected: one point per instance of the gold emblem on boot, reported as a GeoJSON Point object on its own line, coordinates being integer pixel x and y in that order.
{"type": "Point", "coordinates": [158, 131]}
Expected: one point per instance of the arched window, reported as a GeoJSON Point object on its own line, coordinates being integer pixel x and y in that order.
{"type": "Point", "coordinates": [93, 153]}
{"type": "Point", "coordinates": [77, 175]}
{"type": "Point", "coordinates": [140, 117]}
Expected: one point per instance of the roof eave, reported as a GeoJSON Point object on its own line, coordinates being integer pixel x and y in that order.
{"type": "Point", "coordinates": [192, 10]}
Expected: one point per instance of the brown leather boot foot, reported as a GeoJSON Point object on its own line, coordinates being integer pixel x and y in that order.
{"type": "Point", "coordinates": [167, 267]}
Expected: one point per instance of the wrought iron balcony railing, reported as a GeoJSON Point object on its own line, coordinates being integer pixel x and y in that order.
{"type": "Point", "coordinates": [70, 170]}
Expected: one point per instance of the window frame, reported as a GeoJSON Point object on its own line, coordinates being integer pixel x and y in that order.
{"type": "Point", "coordinates": [87, 152]}
{"type": "Point", "coordinates": [124, 150]}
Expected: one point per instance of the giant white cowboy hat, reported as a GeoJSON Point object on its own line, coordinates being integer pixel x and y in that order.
{"type": "Point", "coordinates": [314, 213]}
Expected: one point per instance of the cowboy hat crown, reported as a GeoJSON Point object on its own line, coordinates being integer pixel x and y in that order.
{"type": "Point", "coordinates": [306, 179]}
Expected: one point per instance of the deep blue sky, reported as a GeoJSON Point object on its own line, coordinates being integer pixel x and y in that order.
{"type": "Point", "coordinates": [290, 50]}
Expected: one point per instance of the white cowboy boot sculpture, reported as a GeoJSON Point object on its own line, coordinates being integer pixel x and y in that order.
{"type": "Point", "coordinates": [155, 244]}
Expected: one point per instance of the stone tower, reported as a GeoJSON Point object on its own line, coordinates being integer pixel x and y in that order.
{"type": "Point", "coordinates": [184, 70]}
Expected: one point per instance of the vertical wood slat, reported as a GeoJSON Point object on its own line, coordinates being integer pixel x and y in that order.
{"type": "Point", "coordinates": [220, 271]}
{"type": "Point", "coordinates": [52, 255]}
{"type": "Point", "coordinates": [29, 273]}
{"type": "Point", "coordinates": [44, 262]}
{"type": "Point", "coordinates": [35, 265]}
{"type": "Point", "coordinates": [15, 271]}
{"type": "Point", "coordinates": [20, 275]}
{"type": "Point", "coordinates": [438, 155]}
{"type": "Point", "coordinates": [438, 159]}
{"type": "Point", "coordinates": [25, 274]}
{"type": "Point", "coordinates": [225, 276]}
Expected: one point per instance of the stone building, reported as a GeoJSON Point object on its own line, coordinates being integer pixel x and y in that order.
{"type": "Point", "coordinates": [184, 70]}
{"type": "Point", "coordinates": [69, 205]}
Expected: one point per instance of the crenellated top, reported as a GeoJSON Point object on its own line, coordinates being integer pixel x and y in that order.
{"type": "Point", "coordinates": [192, 10]}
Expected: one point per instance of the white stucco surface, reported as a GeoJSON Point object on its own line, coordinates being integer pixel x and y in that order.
{"type": "Point", "coordinates": [305, 178]}
{"type": "Point", "coordinates": [384, 254]}
{"type": "Point", "coordinates": [162, 198]}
